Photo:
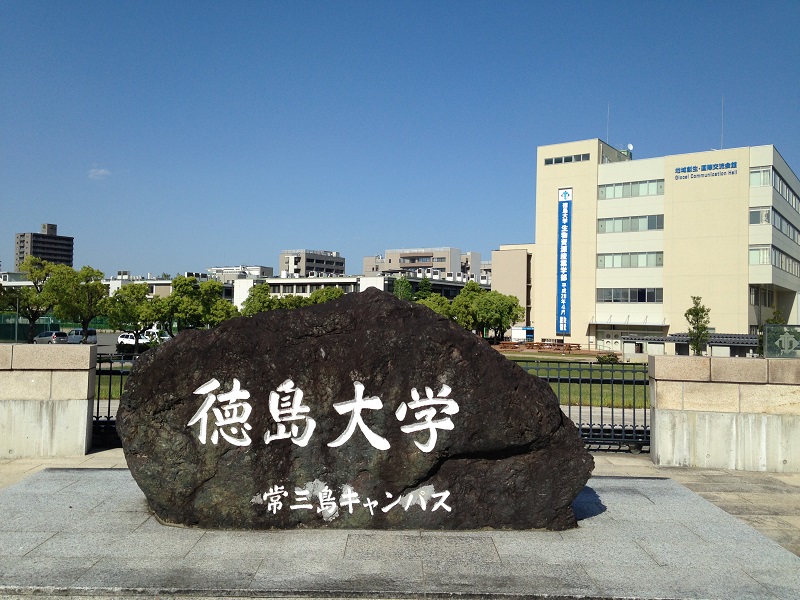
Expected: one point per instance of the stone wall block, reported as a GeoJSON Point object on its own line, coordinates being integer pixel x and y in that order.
{"type": "Point", "coordinates": [771, 399]}
{"type": "Point", "coordinates": [667, 395]}
{"type": "Point", "coordinates": [711, 397]}
{"type": "Point", "coordinates": [739, 370]}
{"type": "Point", "coordinates": [784, 370]}
{"type": "Point", "coordinates": [73, 385]}
{"type": "Point", "coordinates": [61, 356]}
{"type": "Point", "coordinates": [680, 368]}
{"type": "Point", "coordinates": [25, 385]}
{"type": "Point", "coordinates": [5, 357]}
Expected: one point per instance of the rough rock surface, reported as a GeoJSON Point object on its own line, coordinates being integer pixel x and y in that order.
{"type": "Point", "coordinates": [500, 453]}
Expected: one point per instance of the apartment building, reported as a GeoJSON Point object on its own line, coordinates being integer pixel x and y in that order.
{"type": "Point", "coordinates": [47, 245]}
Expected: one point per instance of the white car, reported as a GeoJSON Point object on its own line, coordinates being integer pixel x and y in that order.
{"type": "Point", "coordinates": [128, 339]}
{"type": "Point", "coordinates": [75, 336]}
{"type": "Point", "coordinates": [157, 336]}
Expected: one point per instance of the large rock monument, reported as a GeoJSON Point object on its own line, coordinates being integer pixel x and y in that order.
{"type": "Point", "coordinates": [363, 412]}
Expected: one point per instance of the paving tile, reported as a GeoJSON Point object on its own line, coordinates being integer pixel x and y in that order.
{"type": "Point", "coordinates": [174, 576]}
{"type": "Point", "coordinates": [328, 544]}
{"type": "Point", "coordinates": [450, 548]}
{"type": "Point", "coordinates": [22, 571]}
{"type": "Point", "coordinates": [668, 582]}
{"type": "Point", "coordinates": [539, 580]}
{"type": "Point", "coordinates": [359, 576]}
{"type": "Point", "coordinates": [20, 543]}
{"type": "Point", "coordinates": [783, 582]}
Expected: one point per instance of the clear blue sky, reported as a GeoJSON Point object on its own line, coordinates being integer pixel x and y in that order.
{"type": "Point", "coordinates": [176, 136]}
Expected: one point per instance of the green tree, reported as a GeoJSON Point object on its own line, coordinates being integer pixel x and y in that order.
{"type": "Point", "coordinates": [424, 289]}
{"type": "Point", "coordinates": [497, 312]}
{"type": "Point", "coordinates": [130, 309]}
{"type": "Point", "coordinates": [182, 307]}
{"type": "Point", "coordinates": [325, 294]}
{"type": "Point", "coordinates": [77, 295]}
{"type": "Point", "coordinates": [463, 309]}
{"type": "Point", "coordinates": [193, 305]}
{"type": "Point", "coordinates": [291, 301]}
{"type": "Point", "coordinates": [403, 289]}
{"type": "Point", "coordinates": [259, 300]}
{"type": "Point", "coordinates": [698, 317]}
{"type": "Point", "coordinates": [214, 308]}
{"type": "Point", "coordinates": [437, 303]}
{"type": "Point", "coordinates": [34, 300]}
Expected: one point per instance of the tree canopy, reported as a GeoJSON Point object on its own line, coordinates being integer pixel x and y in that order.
{"type": "Point", "coordinates": [77, 295]}
{"type": "Point", "coordinates": [403, 289]}
{"type": "Point", "coordinates": [497, 312]}
{"type": "Point", "coordinates": [325, 294]}
{"type": "Point", "coordinates": [34, 300]}
{"type": "Point", "coordinates": [258, 300]}
{"type": "Point", "coordinates": [437, 303]}
{"type": "Point", "coordinates": [131, 309]}
{"type": "Point", "coordinates": [424, 290]}
{"type": "Point", "coordinates": [463, 309]}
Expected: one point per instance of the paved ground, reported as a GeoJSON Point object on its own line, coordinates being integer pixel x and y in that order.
{"type": "Point", "coordinates": [645, 532]}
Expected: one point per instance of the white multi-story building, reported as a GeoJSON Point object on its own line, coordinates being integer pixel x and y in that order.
{"type": "Point", "coordinates": [622, 245]}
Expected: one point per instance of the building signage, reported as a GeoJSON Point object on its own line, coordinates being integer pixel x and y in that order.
{"type": "Point", "coordinates": [563, 317]}
{"type": "Point", "coordinates": [707, 170]}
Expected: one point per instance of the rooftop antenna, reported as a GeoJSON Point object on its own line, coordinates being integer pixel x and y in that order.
{"type": "Point", "coordinates": [722, 132]}
{"type": "Point", "coordinates": [608, 122]}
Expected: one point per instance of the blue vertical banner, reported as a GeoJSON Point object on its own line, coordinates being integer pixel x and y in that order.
{"type": "Point", "coordinates": [563, 316]}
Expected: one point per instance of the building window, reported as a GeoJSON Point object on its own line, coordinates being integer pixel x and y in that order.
{"type": "Point", "coordinates": [761, 176]}
{"type": "Point", "coordinates": [759, 216]}
{"type": "Point", "coordinates": [764, 176]}
{"type": "Point", "coordinates": [630, 295]}
{"type": "Point", "coordinates": [566, 159]}
{"type": "Point", "coordinates": [631, 189]}
{"type": "Point", "coordinates": [764, 215]}
{"type": "Point", "coordinates": [625, 260]}
{"type": "Point", "coordinates": [759, 255]}
{"type": "Point", "coordinates": [770, 255]}
{"type": "Point", "coordinates": [624, 224]}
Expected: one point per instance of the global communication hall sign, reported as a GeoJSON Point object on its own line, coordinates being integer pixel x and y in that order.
{"type": "Point", "coordinates": [563, 317]}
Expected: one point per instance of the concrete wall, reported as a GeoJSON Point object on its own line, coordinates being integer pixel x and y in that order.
{"type": "Point", "coordinates": [46, 395]}
{"type": "Point", "coordinates": [732, 413]}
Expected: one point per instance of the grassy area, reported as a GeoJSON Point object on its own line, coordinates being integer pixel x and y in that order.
{"type": "Point", "coordinates": [109, 387]}
{"type": "Point", "coordinates": [583, 383]}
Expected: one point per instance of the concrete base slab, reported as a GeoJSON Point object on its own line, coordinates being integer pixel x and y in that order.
{"type": "Point", "coordinates": [88, 533]}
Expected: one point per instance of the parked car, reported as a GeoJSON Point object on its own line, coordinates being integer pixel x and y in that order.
{"type": "Point", "coordinates": [128, 339]}
{"type": "Point", "coordinates": [51, 337]}
{"type": "Point", "coordinates": [75, 336]}
{"type": "Point", "coordinates": [157, 336]}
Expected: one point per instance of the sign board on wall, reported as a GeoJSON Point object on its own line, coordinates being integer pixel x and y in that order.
{"type": "Point", "coordinates": [563, 271]}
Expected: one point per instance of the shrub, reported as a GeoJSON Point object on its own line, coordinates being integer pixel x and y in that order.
{"type": "Point", "coordinates": [608, 359]}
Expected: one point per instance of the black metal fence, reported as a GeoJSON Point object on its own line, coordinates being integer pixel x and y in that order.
{"type": "Point", "coordinates": [110, 377]}
{"type": "Point", "coordinates": [610, 403]}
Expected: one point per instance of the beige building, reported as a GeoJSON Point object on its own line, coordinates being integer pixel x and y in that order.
{"type": "Point", "coordinates": [512, 274]}
{"type": "Point", "coordinates": [425, 262]}
{"type": "Point", "coordinates": [305, 263]}
{"type": "Point", "coordinates": [622, 245]}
